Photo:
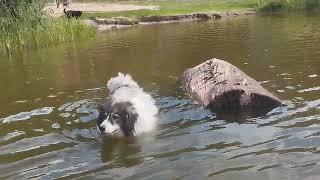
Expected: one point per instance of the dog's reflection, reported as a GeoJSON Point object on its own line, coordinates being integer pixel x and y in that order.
{"type": "Point", "coordinates": [122, 151]}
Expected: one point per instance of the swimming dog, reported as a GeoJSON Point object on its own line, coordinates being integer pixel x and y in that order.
{"type": "Point", "coordinates": [129, 111]}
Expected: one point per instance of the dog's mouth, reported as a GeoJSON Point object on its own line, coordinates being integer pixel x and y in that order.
{"type": "Point", "coordinates": [111, 133]}
{"type": "Point", "coordinates": [102, 131]}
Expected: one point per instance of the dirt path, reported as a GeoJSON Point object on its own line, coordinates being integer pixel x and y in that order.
{"type": "Point", "coordinates": [95, 7]}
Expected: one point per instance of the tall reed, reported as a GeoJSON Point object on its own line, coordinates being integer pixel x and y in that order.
{"type": "Point", "coordinates": [26, 25]}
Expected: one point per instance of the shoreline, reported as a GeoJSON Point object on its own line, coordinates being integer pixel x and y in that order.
{"type": "Point", "coordinates": [113, 16]}
{"type": "Point", "coordinates": [93, 7]}
{"type": "Point", "coordinates": [114, 23]}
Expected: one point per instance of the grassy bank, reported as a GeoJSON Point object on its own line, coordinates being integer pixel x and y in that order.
{"type": "Point", "coordinates": [168, 7]}
{"type": "Point", "coordinates": [180, 7]}
{"type": "Point", "coordinates": [25, 25]}
{"type": "Point", "coordinates": [275, 5]}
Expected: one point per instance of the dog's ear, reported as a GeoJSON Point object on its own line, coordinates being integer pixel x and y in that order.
{"type": "Point", "coordinates": [131, 119]}
{"type": "Point", "coordinates": [132, 114]}
{"type": "Point", "coordinates": [128, 120]}
{"type": "Point", "coordinates": [104, 109]}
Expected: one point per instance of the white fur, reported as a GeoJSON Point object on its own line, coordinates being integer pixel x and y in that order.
{"type": "Point", "coordinates": [143, 103]}
{"type": "Point", "coordinates": [109, 128]}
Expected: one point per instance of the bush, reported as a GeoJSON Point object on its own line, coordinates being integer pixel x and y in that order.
{"type": "Point", "coordinates": [312, 4]}
{"type": "Point", "coordinates": [275, 5]}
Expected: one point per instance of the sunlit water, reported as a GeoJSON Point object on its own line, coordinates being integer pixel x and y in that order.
{"type": "Point", "coordinates": [49, 97]}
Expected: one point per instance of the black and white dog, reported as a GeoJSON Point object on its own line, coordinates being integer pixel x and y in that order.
{"type": "Point", "coordinates": [72, 13]}
{"type": "Point", "coordinates": [129, 111]}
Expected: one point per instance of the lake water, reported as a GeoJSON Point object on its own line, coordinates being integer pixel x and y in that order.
{"type": "Point", "coordinates": [48, 101]}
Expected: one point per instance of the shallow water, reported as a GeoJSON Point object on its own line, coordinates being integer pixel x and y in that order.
{"type": "Point", "coordinates": [49, 97]}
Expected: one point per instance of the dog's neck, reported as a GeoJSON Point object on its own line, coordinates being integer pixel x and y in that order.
{"type": "Point", "coordinates": [124, 85]}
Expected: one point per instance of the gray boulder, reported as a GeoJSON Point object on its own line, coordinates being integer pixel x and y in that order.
{"type": "Point", "coordinates": [222, 87]}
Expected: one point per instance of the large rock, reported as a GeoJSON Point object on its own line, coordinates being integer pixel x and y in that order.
{"type": "Point", "coordinates": [223, 87]}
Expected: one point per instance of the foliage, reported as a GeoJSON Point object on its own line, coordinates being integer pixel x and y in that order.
{"type": "Point", "coordinates": [274, 5]}
{"type": "Point", "coordinates": [24, 24]}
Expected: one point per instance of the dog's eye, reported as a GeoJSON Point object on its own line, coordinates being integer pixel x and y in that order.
{"type": "Point", "coordinates": [115, 117]}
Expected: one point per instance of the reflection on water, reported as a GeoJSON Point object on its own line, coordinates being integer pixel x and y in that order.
{"type": "Point", "coordinates": [49, 99]}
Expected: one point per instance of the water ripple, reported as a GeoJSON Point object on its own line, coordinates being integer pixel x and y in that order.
{"type": "Point", "coordinates": [27, 115]}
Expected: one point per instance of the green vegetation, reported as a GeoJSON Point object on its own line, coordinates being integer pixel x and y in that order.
{"type": "Point", "coordinates": [168, 7]}
{"type": "Point", "coordinates": [180, 7]}
{"type": "Point", "coordinates": [274, 5]}
{"type": "Point", "coordinates": [24, 24]}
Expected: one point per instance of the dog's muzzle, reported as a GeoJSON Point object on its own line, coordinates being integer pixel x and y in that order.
{"type": "Point", "coordinates": [107, 128]}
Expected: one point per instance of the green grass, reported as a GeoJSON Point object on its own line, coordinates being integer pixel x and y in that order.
{"type": "Point", "coordinates": [29, 27]}
{"type": "Point", "coordinates": [19, 36]}
{"type": "Point", "coordinates": [169, 7]}
{"type": "Point", "coordinates": [180, 7]}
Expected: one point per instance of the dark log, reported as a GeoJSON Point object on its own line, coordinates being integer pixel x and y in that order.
{"type": "Point", "coordinates": [222, 87]}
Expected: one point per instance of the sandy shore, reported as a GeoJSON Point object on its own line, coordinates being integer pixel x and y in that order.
{"type": "Point", "coordinates": [95, 7]}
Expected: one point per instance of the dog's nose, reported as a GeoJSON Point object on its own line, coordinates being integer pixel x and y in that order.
{"type": "Point", "coordinates": [101, 129]}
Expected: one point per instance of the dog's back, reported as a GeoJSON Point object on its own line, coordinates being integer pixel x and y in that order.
{"type": "Point", "coordinates": [78, 14]}
{"type": "Point", "coordinates": [72, 13]}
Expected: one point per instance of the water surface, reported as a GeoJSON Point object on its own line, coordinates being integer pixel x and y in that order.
{"type": "Point", "coordinates": [48, 102]}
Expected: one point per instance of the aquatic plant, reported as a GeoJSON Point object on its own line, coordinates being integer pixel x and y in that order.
{"type": "Point", "coordinates": [24, 24]}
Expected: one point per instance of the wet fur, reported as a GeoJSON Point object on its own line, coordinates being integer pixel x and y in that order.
{"type": "Point", "coordinates": [136, 110]}
{"type": "Point", "coordinates": [126, 112]}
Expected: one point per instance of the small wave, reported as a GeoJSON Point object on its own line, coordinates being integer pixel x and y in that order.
{"type": "Point", "coordinates": [27, 115]}
{"type": "Point", "coordinates": [310, 89]}
{"type": "Point", "coordinates": [11, 135]}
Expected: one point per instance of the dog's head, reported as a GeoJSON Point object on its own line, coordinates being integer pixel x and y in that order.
{"type": "Point", "coordinates": [117, 118]}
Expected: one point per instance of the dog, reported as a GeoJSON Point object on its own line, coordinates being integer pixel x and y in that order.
{"type": "Point", "coordinates": [129, 111]}
{"type": "Point", "coordinates": [72, 13]}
